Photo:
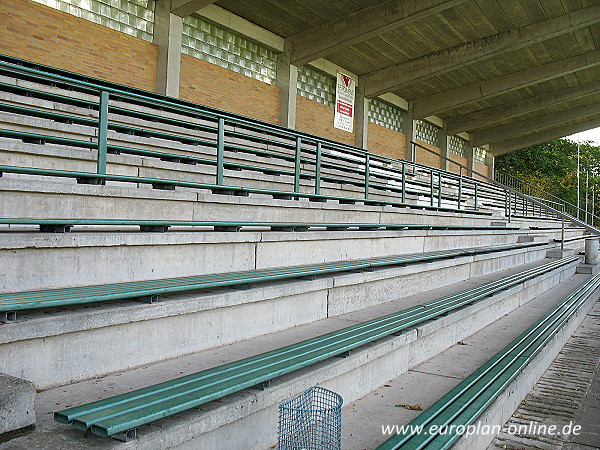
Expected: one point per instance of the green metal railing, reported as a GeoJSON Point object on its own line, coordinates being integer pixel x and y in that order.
{"type": "Point", "coordinates": [310, 166]}
{"type": "Point", "coordinates": [117, 415]}
{"type": "Point", "coordinates": [522, 204]}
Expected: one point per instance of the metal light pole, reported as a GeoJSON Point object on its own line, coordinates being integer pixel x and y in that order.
{"type": "Point", "coordinates": [578, 193]}
{"type": "Point", "coordinates": [587, 189]}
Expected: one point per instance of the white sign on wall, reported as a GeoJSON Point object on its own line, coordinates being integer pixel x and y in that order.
{"type": "Point", "coordinates": [344, 103]}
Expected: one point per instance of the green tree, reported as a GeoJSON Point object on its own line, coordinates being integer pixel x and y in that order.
{"type": "Point", "coordinates": [552, 167]}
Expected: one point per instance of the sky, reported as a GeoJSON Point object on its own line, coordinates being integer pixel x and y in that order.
{"type": "Point", "coordinates": [589, 135]}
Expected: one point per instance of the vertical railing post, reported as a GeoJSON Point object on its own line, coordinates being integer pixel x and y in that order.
{"type": "Point", "coordinates": [297, 160]}
{"type": "Point", "coordinates": [318, 170]}
{"type": "Point", "coordinates": [562, 233]}
{"type": "Point", "coordinates": [460, 183]}
{"type": "Point", "coordinates": [509, 205]}
{"type": "Point", "coordinates": [476, 195]}
{"type": "Point", "coordinates": [403, 182]}
{"type": "Point", "coordinates": [431, 187]}
{"type": "Point", "coordinates": [367, 173]}
{"type": "Point", "coordinates": [439, 189]}
{"type": "Point", "coordinates": [220, 150]}
{"type": "Point", "coordinates": [102, 132]}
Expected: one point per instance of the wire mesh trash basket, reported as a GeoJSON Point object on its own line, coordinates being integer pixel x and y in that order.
{"type": "Point", "coordinates": [311, 421]}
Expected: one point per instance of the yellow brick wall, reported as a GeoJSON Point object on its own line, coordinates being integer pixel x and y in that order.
{"type": "Point", "coordinates": [47, 36]}
{"type": "Point", "coordinates": [316, 118]}
{"type": "Point", "coordinates": [211, 85]}
{"type": "Point", "coordinates": [386, 142]}
{"type": "Point", "coordinates": [427, 158]}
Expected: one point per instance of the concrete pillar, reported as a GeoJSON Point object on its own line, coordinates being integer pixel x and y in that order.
{"type": "Point", "coordinates": [470, 155]}
{"type": "Point", "coordinates": [287, 82]}
{"type": "Point", "coordinates": [361, 110]}
{"type": "Point", "coordinates": [443, 145]}
{"type": "Point", "coordinates": [410, 129]}
{"type": "Point", "coordinates": [591, 251]}
{"type": "Point", "coordinates": [167, 35]}
{"type": "Point", "coordinates": [490, 161]}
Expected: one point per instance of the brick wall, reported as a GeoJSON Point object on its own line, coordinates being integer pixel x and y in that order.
{"type": "Point", "coordinates": [386, 142]}
{"type": "Point", "coordinates": [211, 85]}
{"type": "Point", "coordinates": [427, 158]}
{"type": "Point", "coordinates": [316, 118]}
{"type": "Point", "coordinates": [47, 36]}
{"type": "Point", "coordinates": [482, 169]}
{"type": "Point", "coordinates": [459, 159]}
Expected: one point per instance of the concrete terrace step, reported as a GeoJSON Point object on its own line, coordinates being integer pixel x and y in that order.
{"type": "Point", "coordinates": [419, 388]}
{"type": "Point", "coordinates": [215, 424]}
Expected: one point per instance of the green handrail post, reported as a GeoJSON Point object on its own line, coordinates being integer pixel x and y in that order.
{"type": "Point", "coordinates": [509, 205]}
{"type": "Point", "coordinates": [476, 195]}
{"type": "Point", "coordinates": [439, 189]}
{"type": "Point", "coordinates": [102, 132]}
{"type": "Point", "coordinates": [403, 182]}
{"type": "Point", "coordinates": [318, 170]}
{"type": "Point", "coordinates": [431, 187]}
{"type": "Point", "coordinates": [297, 165]}
{"type": "Point", "coordinates": [367, 173]}
{"type": "Point", "coordinates": [460, 183]}
{"type": "Point", "coordinates": [220, 150]}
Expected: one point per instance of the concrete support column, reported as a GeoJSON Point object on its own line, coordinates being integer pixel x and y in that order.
{"type": "Point", "coordinates": [167, 35]}
{"type": "Point", "coordinates": [443, 145]}
{"type": "Point", "coordinates": [490, 161]}
{"type": "Point", "coordinates": [287, 82]}
{"type": "Point", "coordinates": [410, 129]}
{"type": "Point", "coordinates": [591, 251]}
{"type": "Point", "coordinates": [361, 109]}
{"type": "Point", "coordinates": [470, 155]}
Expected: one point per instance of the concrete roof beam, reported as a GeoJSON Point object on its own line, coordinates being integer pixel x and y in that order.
{"type": "Point", "coordinates": [429, 66]}
{"type": "Point", "coordinates": [325, 39]}
{"type": "Point", "coordinates": [517, 143]}
{"type": "Point", "coordinates": [507, 131]}
{"type": "Point", "coordinates": [454, 98]}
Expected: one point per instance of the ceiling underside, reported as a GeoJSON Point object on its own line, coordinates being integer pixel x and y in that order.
{"type": "Point", "coordinates": [481, 65]}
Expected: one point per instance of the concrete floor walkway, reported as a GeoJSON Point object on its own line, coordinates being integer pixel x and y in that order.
{"type": "Point", "coordinates": [567, 395]}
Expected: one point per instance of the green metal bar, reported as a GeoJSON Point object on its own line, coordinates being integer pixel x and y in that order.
{"type": "Point", "coordinates": [367, 173]}
{"type": "Point", "coordinates": [431, 188]}
{"type": "Point", "coordinates": [403, 182]}
{"type": "Point", "coordinates": [439, 189]}
{"type": "Point", "coordinates": [460, 188]}
{"type": "Point", "coordinates": [220, 150]}
{"type": "Point", "coordinates": [476, 195]}
{"type": "Point", "coordinates": [102, 132]}
{"type": "Point", "coordinates": [297, 164]}
{"type": "Point", "coordinates": [318, 169]}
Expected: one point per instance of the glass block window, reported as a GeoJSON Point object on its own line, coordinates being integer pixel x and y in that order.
{"type": "Point", "coordinates": [316, 85]}
{"type": "Point", "coordinates": [218, 46]}
{"type": "Point", "coordinates": [385, 114]}
{"type": "Point", "coordinates": [457, 146]}
{"type": "Point", "coordinates": [479, 154]}
{"type": "Point", "coordinates": [133, 17]}
{"type": "Point", "coordinates": [427, 132]}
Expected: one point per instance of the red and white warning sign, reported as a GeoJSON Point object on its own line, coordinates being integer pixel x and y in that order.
{"type": "Point", "coordinates": [344, 103]}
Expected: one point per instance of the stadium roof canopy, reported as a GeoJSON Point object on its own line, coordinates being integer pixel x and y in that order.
{"type": "Point", "coordinates": [512, 73]}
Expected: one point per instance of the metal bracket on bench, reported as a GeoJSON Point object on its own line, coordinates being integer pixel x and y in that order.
{"type": "Point", "coordinates": [154, 228]}
{"type": "Point", "coordinates": [346, 202]}
{"type": "Point", "coordinates": [164, 187]}
{"type": "Point", "coordinates": [222, 191]}
{"type": "Point", "coordinates": [234, 228]}
{"type": "Point", "coordinates": [51, 228]}
{"type": "Point", "coordinates": [262, 386]}
{"type": "Point", "coordinates": [94, 181]}
{"type": "Point", "coordinates": [8, 317]}
{"type": "Point", "coordinates": [125, 436]}
{"type": "Point", "coordinates": [147, 298]}
{"type": "Point", "coordinates": [282, 196]}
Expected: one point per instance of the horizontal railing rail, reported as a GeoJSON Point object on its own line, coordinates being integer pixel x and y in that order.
{"type": "Point", "coordinates": [118, 415]}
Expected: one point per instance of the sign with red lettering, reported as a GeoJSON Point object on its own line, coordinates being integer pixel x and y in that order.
{"type": "Point", "coordinates": [344, 103]}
